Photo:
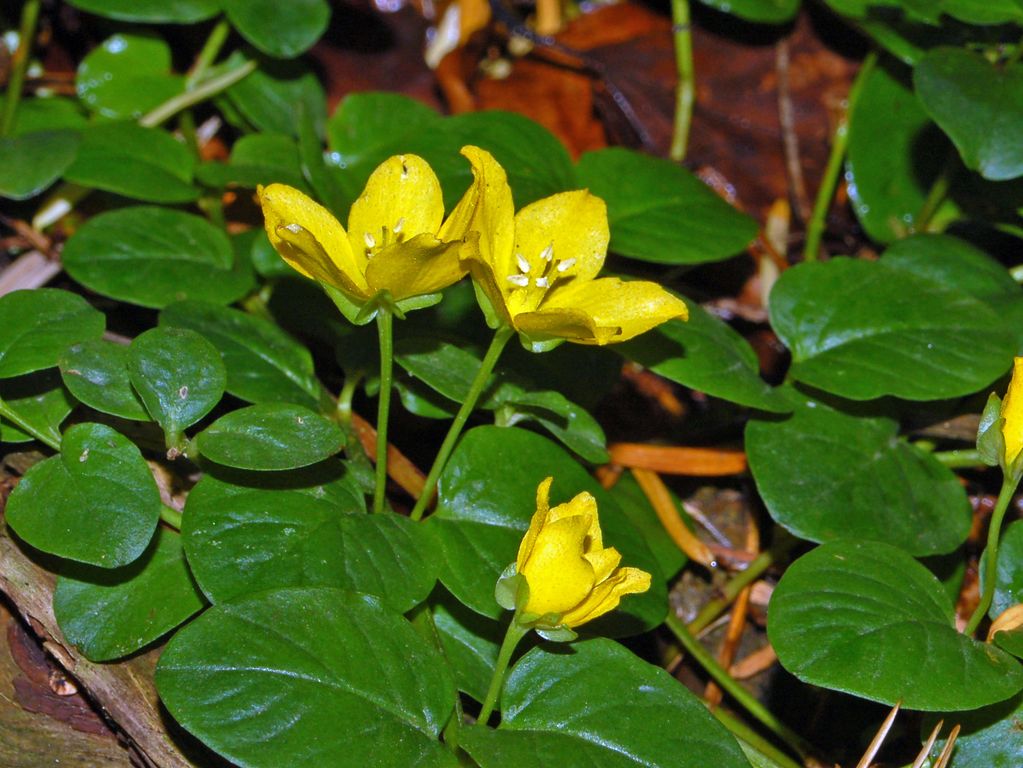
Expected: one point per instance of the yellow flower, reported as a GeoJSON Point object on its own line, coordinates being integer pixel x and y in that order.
{"type": "Point", "coordinates": [396, 241]}
{"type": "Point", "coordinates": [571, 577]}
{"type": "Point", "coordinates": [1012, 413]}
{"type": "Point", "coordinates": [537, 268]}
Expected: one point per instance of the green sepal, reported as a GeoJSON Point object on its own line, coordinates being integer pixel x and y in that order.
{"type": "Point", "coordinates": [990, 441]}
{"type": "Point", "coordinates": [381, 300]}
{"type": "Point", "coordinates": [511, 591]}
{"type": "Point", "coordinates": [561, 634]}
{"type": "Point", "coordinates": [532, 345]}
{"type": "Point", "coordinates": [489, 313]}
{"type": "Point", "coordinates": [351, 311]}
{"type": "Point", "coordinates": [413, 303]}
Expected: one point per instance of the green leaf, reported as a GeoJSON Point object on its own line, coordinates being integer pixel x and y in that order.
{"type": "Point", "coordinates": [141, 163]}
{"type": "Point", "coordinates": [862, 329]}
{"type": "Point", "coordinates": [888, 171]}
{"type": "Point", "coordinates": [275, 95]}
{"type": "Point", "coordinates": [599, 705]}
{"type": "Point", "coordinates": [259, 158]}
{"type": "Point", "coordinates": [37, 326]}
{"type": "Point", "coordinates": [759, 11]}
{"type": "Point", "coordinates": [1010, 641]}
{"type": "Point", "coordinates": [705, 354]}
{"type": "Point", "coordinates": [470, 643]}
{"type": "Point", "coordinates": [110, 613]}
{"type": "Point", "coordinates": [153, 257]}
{"type": "Point", "coordinates": [989, 737]}
{"type": "Point", "coordinates": [309, 667]}
{"type": "Point", "coordinates": [96, 372]}
{"type": "Point", "coordinates": [39, 400]}
{"type": "Point", "coordinates": [96, 502]}
{"type": "Point", "coordinates": [243, 539]}
{"type": "Point", "coordinates": [264, 364]}
{"type": "Point", "coordinates": [31, 162]}
{"type": "Point", "coordinates": [270, 436]}
{"type": "Point", "coordinates": [979, 106]}
{"type": "Point", "coordinates": [47, 113]}
{"type": "Point", "coordinates": [179, 376]}
{"type": "Point", "coordinates": [660, 212]}
{"type": "Point", "coordinates": [852, 606]}
{"type": "Point", "coordinates": [574, 428]}
{"type": "Point", "coordinates": [283, 30]}
{"type": "Point", "coordinates": [486, 498]}
{"type": "Point", "coordinates": [152, 11]}
{"type": "Point", "coordinates": [636, 506]}
{"type": "Point", "coordinates": [127, 76]}
{"type": "Point", "coordinates": [866, 482]}
{"type": "Point", "coordinates": [1009, 572]}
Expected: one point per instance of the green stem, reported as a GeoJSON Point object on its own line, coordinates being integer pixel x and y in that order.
{"type": "Point", "coordinates": [728, 684]}
{"type": "Point", "coordinates": [937, 193]}
{"type": "Point", "coordinates": [171, 516]}
{"type": "Point", "coordinates": [961, 459]}
{"type": "Point", "coordinates": [13, 417]}
{"type": "Point", "coordinates": [385, 330]}
{"type": "Point", "coordinates": [742, 731]}
{"type": "Point", "coordinates": [994, 532]}
{"type": "Point", "coordinates": [839, 143]}
{"type": "Point", "coordinates": [208, 54]}
{"type": "Point", "coordinates": [199, 93]}
{"type": "Point", "coordinates": [501, 337]}
{"type": "Point", "coordinates": [343, 410]}
{"type": "Point", "coordinates": [511, 639]}
{"type": "Point", "coordinates": [684, 91]}
{"type": "Point", "coordinates": [19, 64]}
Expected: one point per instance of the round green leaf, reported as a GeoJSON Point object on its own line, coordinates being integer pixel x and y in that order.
{"type": "Point", "coordinates": [37, 326]}
{"type": "Point", "coordinates": [599, 705]}
{"type": "Point", "coordinates": [154, 257]}
{"type": "Point", "coordinates": [96, 502]}
{"type": "Point", "coordinates": [111, 613]}
{"type": "Point", "coordinates": [289, 677]}
{"type": "Point", "coordinates": [862, 329]}
{"type": "Point", "coordinates": [989, 737]}
{"type": "Point", "coordinates": [242, 540]}
{"type": "Point", "coordinates": [759, 11]}
{"type": "Point", "coordinates": [126, 76]}
{"type": "Point", "coordinates": [141, 163]}
{"type": "Point", "coordinates": [31, 162]}
{"type": "Point", "coordinates": [264, 364]}
{"type": "Point", "coordinates": [259, 158]}
{"type": "Point", "coordinates": [979, 106]}
{"type": "Point", "coordinates": [178, 374]}
{"type": "Point", "coordinates": [47, 113]}
{"type": "Point", "coordinates": [867, 619]}
{"type": "Point", "coordinates": [1009, 577]}
{"type": "Point", "coordinates": [40, 401]}
{"type": "Point", "coordinates": [866, 482]}
{"type": "Point", "coordinates": [661, 212]}
{"type": "Point", "coordinates": [274, 97]}
{"type": "Point", "coordinates": [707, 355]}
{"type": "Point", "coordinates": [152, 11]}
{"type": "Point", "coordinates": [470, 644]}
{"type": "Point", "coordinates": [96, 372]}
{"type": "Point", "coordinates": [486, 498]}
{"type": "Point", "coordinates": [284, 30]}
{"type": "Point", "coordinates": [270, 436]}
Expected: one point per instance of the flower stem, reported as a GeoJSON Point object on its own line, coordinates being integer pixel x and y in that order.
{"type": "Point", "coordinates": [960, 459]}
{"type": "Point", "coordinates": [19, 64]}
{"type": "Point", "coordinates": [208, 54]}
{"type": "Point", "coordinates": [743, 697]}
{"type": "Point", "coordinates": [385, 329]}
{"type": "Point", "coordinates": [511, 639]}
{"type": "Point", "coordinates": [171, 516]}
{"type": "Point", "coordinates": [938, 193]}
{"type": "Point", "coordinates": [684, 91]}
{"type": "Point", "coordinates": [839, 144]}
{"type": "Point", "coordinates": [994, 532]}
{"type": "Point", "coordinates": [501, 337]}
{"type": "Point", "coordinates": [200, 92]}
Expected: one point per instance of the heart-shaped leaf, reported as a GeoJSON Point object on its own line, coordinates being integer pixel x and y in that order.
{"type": "Point", "coordinates": [599, 705]}
{"type": "Point", "coordinates": [31, 162]}
{"type": "Point", "coordinates": [96, 502]}
{"type": "Point", "coordinates": [287, 677]}
{"type": "Point", "coordinates": [867, 619]}
{"type": "Point", "coordinates": [279, 29]}
{"type": "Point", "coordinates": [865, 482]}
{"type": "Point", "coordinates": [96, 372]}
{"type": "Point", "coordinates": [39, 402]}
{"type": "Point", "coordinates": [270, 436]}
{"type": "Point", "coordinates": [276, 95]}
{"type": "Point", "coordinates": [37, 326]}
{"type": "Point", "coordinates": [470, 644]}
{"type": "Point", "coordinates": [110, 613]}
{"type": "Point", "coordinates": [126, 76]}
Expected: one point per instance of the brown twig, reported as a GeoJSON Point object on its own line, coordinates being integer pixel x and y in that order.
{"type": "Point", "coordinates": [790, 140]}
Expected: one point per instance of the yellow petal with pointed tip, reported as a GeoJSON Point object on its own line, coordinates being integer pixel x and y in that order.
{"type": "Point", "coordinates": [417, 267]}
{"type": "Point", "coordinates": [571, 324]}
{"type": "Point", "coordinates": [558, 575]}
{"type": "Point", "coordinates": [402, 199]}
{"type": "Point", "coordinates": [604, 561]}
{"type": "Point", "coordinates": [310, 239]}
{"type": "Point", "coordinates": [543, 492]}
{"type": "Point", "coordinates": [1012, 412]}
{"type": "Point", "coordinates": [607, 595]}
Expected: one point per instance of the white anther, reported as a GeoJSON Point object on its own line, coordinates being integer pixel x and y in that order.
{"type": "Point", "coordinates": [566, 265]}
{"type": "Point", "coordinates": [541, 282]}
{"type": "Point", "coordinates": [523, 264]}
{"type": "Point", "coordinates": [399, 226]}
{"type": "Point", "coordinates": [548, 253]}
{"type": "Point", "coordinates": [520, 280]}
{"type": "Point", "coordinates": [293, 228]}
{"type": "Point", "coordinates": [371, 242]}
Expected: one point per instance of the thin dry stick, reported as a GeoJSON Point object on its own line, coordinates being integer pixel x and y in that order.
{"type": "Point", "coordinates": [946, 753]}
{"type": "Point", "coordinates": [879, 737]}
{"type": "Point", "coordinates": [926, 750]}
{"type": "Point", "coordinates": [660, 499]}
{"type": "Point", "coordinates": [790, 139]}
{"type": "Point", "coordinates": [399, 468]}
{"type": "Point", "coordinates": [678, 460]}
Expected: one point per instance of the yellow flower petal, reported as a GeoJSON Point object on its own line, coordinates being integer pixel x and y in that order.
{"type": "Point", "coordinates": [543, 492]}
{"type": "Point", "coordinates": [571, 324]}
{"type": "Point", "coordinates": [416, 267]}
{"type": "Point", "coordinates": [558, 575]}
{"type": "Point", "coordinates": [310, 239]}
{"type": "Point", "coordinates": [1012, 412]}
{"type": "Point", "coordinates": [402, 199]}
{"type": "Point", "coordinates": [604, 561]}
{"type": "Point", "coordinates": [607, 595]}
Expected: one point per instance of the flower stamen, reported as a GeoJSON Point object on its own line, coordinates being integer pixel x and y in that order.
{"type": "Point", "coordinates": [522, 281]}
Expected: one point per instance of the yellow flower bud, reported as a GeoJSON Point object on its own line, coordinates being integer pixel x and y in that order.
{"type": "Point", "coordinates": [569, 572]}
{"type": "Point", "coordinates": [1012, 413]}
